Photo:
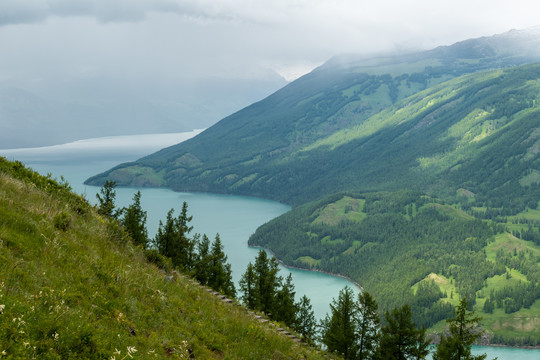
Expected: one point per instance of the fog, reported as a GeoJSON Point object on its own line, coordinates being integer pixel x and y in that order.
{"type": "Point", "coordinates": [87, 68]}
{"type": "Point", "coordinates": [97, 149]}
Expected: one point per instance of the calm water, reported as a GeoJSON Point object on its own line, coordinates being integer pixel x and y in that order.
{"type": "Point", "coordinates": [235, 218]}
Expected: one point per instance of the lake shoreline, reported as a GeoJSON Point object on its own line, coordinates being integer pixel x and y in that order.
{"type": "Point", "coordinates": [75, 165]}
{"type": "Point", "coordinates": [306, 269]}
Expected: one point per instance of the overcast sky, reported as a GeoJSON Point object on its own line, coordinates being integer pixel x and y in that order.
{"type": "Point", "coordinates": [44, 39]}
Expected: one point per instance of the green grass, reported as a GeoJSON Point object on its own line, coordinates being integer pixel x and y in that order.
{"type": "Point", "coordinates": [498, 282]}
{"type": "Point", "coordinates": [525, 322]}
{"type": "Point", "coordinates": [528, 214]}
{"type": "Point", "coordinates": [78, 288]}
{"type": "Point", "coordinates": [308, 260]}
{"type": "Point", "coordinates": [447, 286]}
{"type": "Point", "coordinates": [509, 243]}
{"type": "Point", "coordinates": [347, 208]}
{"type": "Point", "coordinates": [450, 210]}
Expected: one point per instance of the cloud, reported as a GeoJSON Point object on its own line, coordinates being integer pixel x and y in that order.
{"type": "Point", "coordinates": [32, 11]}
{"type": "Point", "coordinates": [231, 38]}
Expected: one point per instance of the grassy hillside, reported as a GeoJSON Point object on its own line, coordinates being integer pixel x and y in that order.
{"type": "Point", "coordinates": [73, 286]}
{"type": "Point", "coordinates": [405, 247]}
{"type": "Point", "coordinates": [330, 130]}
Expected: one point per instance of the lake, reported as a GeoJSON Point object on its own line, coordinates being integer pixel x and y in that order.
{"type": "Point", "coordinates": [235, 218]}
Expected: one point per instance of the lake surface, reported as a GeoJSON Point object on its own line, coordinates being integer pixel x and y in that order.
{"type": "Point", "coordinates": [235, 218]}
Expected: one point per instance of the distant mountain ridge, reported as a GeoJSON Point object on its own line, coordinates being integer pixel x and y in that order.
{"type": "Point", "coordinates": [279, 148]}
{"type": "Point", "coordinates": [84, 108]}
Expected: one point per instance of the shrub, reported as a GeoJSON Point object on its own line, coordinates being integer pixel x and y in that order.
{"type": "Point", "coordinates": [162, 262]}
{"type": "Point", "coordinates": [62, 221]}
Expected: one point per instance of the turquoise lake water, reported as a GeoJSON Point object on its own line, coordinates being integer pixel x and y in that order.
{"type": "Point", "coordinates": [235, 218]}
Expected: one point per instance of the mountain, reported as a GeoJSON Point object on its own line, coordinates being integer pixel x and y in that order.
{"type": "Point", "coordinates": [285, 147]}
{"type": "Point", "coordinates": [77, 109]}
{"type": "Point", "coordinates": [416, 175]}
{"type": "Point", "coordinates": [73, 285]}
{"type": "Point", "coordinates": [408, 248]}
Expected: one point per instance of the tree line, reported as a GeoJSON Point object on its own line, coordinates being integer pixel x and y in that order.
{"type": "Point", "coordinates": [172, 246]}
{"type": "Point", "coordinates": [353, 328]}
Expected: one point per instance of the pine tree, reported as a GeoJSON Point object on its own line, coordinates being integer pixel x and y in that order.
{"type": "Point", "coordinates": [285, 306]}
{"type": "Point", "coordinates": [339, 328]}
{"type": "Point", "coordinates": [268, 281]}
{"type": "Point", "coordinates": [457, 345]}
{"type": "Point", "coordinates": [248, 288]}
{"type": "Point", "coordinates": [134, 221]}
{"type": "Point", "coordinates": [172, 240]}
{"type": "Point", "coordinates": [220, 277]}
{"type": "Point", "coordinates": [202, 265]}
{"type": "Point", "coordinates": [164, 239]}
{"type": "Point", "coordinates": [489, 306]}
{"type": "Point", "coordinates": [106, 199]}
{"type": "Point", "coordinates": [400, 339]}
{"type": "Point", "coordinates": [368, 323]}
{"type": "Point", "coordinates": [306, 324]}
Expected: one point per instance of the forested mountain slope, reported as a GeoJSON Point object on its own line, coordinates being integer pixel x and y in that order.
{"type": "Point", "coordinates": [408, 248]}
{"type": "Point", "coordinates": [73, 286]}
{"type": "Point", "coordinates": [478, 132]}
{"type": "Point", "coordinates": [261, 150]}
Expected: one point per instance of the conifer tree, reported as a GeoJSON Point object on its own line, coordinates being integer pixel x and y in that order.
{"type": "Point", "coordinates": [368, 323]}
{"type": "Point", "coordinates": [202, 270]}
{"type": "Point", "coordinates": [339, 329]}
{"type": "Point", "coordinates": [172, 240]}
{"type": "Point", "coordinates": [106, 199]}
{"type": "Point", "coordinates": [248, 288]}
{"type": "Point", "coordinates": [220, 275]}
{"type": "Point", "coordinates": [285, 306]}
{"type": "Point", "coordinates": [457, 345]}
{"type": "Point", "coordinates": [134, 221]}
{"type": "Point", "coordinates": [306, 324]}
{"type": "Point", "coordinates": [268, 281]}
{"type": "Point", "coordinates": [400, 339]}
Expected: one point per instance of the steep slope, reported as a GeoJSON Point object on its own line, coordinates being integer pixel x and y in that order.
{"type": "Point", "coordinates": [73, 286]}
{"type": "Point", "coordinates": [477, 132]}
{"type": "Point", "coordinates": [257, 150]}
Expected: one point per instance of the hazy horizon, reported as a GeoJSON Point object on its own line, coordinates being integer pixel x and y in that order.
{"type": "Point", "coordinates": [71, 70]}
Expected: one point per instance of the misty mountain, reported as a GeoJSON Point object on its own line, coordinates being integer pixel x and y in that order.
{"type": "Point", "coordinates": [61, 111]}
{"type": "Point", "coordinates": [335, 129]}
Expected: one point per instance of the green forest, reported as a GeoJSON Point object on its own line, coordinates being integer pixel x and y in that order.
{"type": "Point", "coordinates": [409, 248]}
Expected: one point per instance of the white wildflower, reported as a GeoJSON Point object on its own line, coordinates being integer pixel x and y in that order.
{"type": "Point", "coordinates": [116, 351]}
{"type": "Point", "coordinates": [2, 307]}
{"type": "Point", "coordinates": [4, 353]}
